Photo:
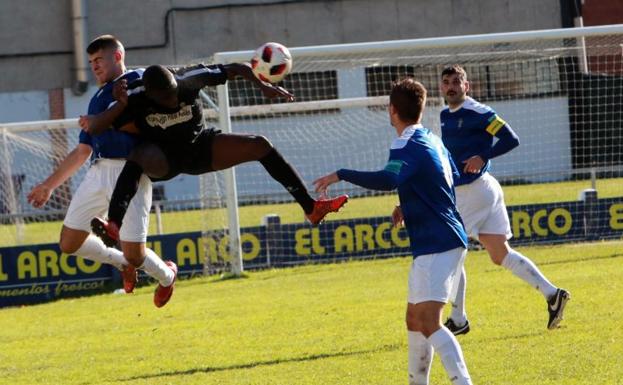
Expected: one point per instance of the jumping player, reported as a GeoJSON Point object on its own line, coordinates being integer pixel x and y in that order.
{"type": "Point", "coordinates": [166, 109]}
{"type": "Point", "coordinates": [420, 168]}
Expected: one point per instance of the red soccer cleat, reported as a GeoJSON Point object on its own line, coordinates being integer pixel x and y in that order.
{"type": "Point", "coordinates": [163, 294]}
{"type": "Point", "coordinates": [130, 278]}
{"type": "Point", "coordinates": [107, 231]}
{"type": "Point", "coordinates": [322, 207]}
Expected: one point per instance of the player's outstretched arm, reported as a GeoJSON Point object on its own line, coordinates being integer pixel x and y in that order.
{"type": "Point", "coordinates": [96, 124]}
{"type": "Point", "coordinates": [322, 184]}
{"type": "Point", "coordinates": [269, 90]}
{"type": "Point", "coordinates": [41, 193]}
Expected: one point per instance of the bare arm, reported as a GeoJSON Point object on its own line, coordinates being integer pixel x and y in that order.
{"type": "Point", "coordinates": [244, 70]}
{"type": "Point", "coordinates": [96, 124]}
{"type": "Point", "coordinates": [40, 194]}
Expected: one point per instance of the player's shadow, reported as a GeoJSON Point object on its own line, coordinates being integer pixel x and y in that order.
{"type": "Point", "coordinates": [251, 365]}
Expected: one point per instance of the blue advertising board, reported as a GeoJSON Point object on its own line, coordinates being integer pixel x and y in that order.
{"type": "Point", "coordinates": [39, 273]}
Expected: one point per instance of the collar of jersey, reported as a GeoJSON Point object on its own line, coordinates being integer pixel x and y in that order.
{"type": "Point", "coordinates": [467, 99]}
{"type": "Point", "coordinates": [408, 132]}
{"type": "Point", "coordinates": [403, 139]}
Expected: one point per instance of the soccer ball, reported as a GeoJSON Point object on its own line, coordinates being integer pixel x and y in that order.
{"type": "Point", "coordinates": [271, 62]}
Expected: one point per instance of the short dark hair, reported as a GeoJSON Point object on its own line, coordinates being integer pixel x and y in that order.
{"type": "Point", "coordinates": [408, 97]}
{"type": "Point", "coordinates": [454, 69]}
{"type": "Point", "coordinates": [104, 42]}
{"type": "Point", "coordinates": [158, 78]}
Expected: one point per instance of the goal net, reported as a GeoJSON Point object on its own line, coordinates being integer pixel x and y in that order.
{"type": "Point", "coordinates": [560, 90]}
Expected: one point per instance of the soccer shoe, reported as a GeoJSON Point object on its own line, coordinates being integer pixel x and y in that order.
{"type": "Point", "coordinates": [457, 329]}
{"type": "Point", "coordinates": [107, 231]}
{"type": "Point", "coordinates": [163, 294]}
{"type": "Point", "coordinates": [556, 306]}
{"type": "Point", "coordinates": [130, 278]}
{"type": "Point", "coordinates": [322, 207]}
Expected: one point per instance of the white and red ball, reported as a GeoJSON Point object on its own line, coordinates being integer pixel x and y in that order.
{"type": "Point", "coordinates": [271, 62]}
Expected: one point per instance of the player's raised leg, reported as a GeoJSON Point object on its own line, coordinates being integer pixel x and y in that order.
{"type": "Point", "coordinates": [522, 267]}
{"type": "Point", "coordinates": [229, 150]}
{"type": "Point", "coordinates": [146, 158]}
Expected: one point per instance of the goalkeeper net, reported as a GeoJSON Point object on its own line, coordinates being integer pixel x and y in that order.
{"type": "Point", "coordinates": [560, 91]}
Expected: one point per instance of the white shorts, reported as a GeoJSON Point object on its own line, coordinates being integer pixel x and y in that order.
{"type": "Point", "coordinates": [92, 197]}
{"type": "Point", "coordinates": [482, 208]}
{"type": "Point", "coordinates": [435, 277]}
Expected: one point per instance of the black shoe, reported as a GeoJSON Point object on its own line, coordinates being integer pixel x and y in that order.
{"type": "Point", "coordinates": [555, 307]}
{"type": "Point", "coordinates": [457, 329]}
{"type": "Point", "coordinates": [107, 231]}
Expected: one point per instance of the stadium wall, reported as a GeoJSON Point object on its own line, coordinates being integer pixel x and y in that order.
{"type": "Point", "coordinates": [36, 50]}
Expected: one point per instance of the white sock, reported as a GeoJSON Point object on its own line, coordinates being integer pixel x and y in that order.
{"type": "Point", "coordinates": [420, 358]}
{"type": "Point", "coordinates": [525, 269]}
{"type": "Point", "coordinates": [94, 249]}
{"type": "Point", "coordinates": [458, 305]}
{"type": "Point", "coordinates": [155, 267]}
{"type": "Point", "coordinates": [451, 356]}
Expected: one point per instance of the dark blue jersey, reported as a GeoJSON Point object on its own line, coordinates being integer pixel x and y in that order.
{"type": "Point", "coordinates": [111, 143]}
{"type": "Point", "coordinates": [421, 169]}
{"type": "Point", "coordinates": [469, 131]}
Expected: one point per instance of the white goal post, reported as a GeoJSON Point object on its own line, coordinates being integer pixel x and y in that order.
{"type": "Point", "coordinates": [547, 50]}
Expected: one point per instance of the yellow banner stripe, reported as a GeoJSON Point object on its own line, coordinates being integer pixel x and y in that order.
{"type": "Point", "coordinates": [495, 125]}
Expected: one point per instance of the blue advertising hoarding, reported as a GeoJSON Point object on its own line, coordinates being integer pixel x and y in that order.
{"type": "Point", "coordinates": [39, 273]}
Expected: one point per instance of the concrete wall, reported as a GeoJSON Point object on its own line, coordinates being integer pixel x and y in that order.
{"type": "Point", "coordinates": [36, 37]}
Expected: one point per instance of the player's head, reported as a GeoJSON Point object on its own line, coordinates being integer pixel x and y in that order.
{"type": "Point", "coordinates": [454, 85]}
{"type": "Point", "coordinates": [406, 102]}
{"type": "Point", "coordinates": [160, 86]}
{"type": "Point", "coordinates": [106, 57]}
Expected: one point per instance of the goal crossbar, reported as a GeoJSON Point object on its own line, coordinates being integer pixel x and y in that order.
{"type": "Point", "coordinates": [393, 45]}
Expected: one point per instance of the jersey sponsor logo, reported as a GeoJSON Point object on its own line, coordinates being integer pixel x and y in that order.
{"type": "Point", "coordinates": [394, 166]}
{"type": "Point", "coordinates": [495, 124]}
{"type": "Point", "coordinates": [165, 121]}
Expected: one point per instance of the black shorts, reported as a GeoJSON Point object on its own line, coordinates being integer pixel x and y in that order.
{"type": "Point", "coordinates": [192, 158]}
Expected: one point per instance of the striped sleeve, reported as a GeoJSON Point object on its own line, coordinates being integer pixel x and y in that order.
{"type": "Point", "coordinates": [200, 75]}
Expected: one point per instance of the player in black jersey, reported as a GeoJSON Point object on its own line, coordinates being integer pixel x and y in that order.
{"type": "Point", "coordinates": [167, 112]}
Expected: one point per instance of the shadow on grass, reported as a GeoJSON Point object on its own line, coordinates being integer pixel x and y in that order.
{"type": "Point", "coordinates": [251, 365]}
{"type": "Point", "coordinates": [509, 337]}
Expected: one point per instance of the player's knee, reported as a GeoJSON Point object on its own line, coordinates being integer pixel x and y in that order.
{"type": "Point", "coordinates": [67, 245]}
{"type": "Point", "coordinates": [412, 324]}
{"type": "Point", "coordinates": [135, 259]}
{"type": "Point", "coordinates": [496, 260]}
{"type": "Point", "coordinates": [497, 255]}
{"type": "Point", "coordinates": [412, 321]}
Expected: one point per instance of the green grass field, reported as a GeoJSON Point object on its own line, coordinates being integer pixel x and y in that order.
{"type": "Point", "coordinates": [324, 324]}
{"type": "Point", "coordinates": [186, 221]}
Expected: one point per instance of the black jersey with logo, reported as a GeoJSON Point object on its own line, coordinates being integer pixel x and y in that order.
{"type": "Point", "coordinates": [180, 125]}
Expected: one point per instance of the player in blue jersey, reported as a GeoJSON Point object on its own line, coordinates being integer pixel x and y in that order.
{"type": "Point", "coordinates": [468, 129]}
{"type": "Point", "coordinates": [420, 168]}
{"type": "Point", "coordinates": [107, 152]}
